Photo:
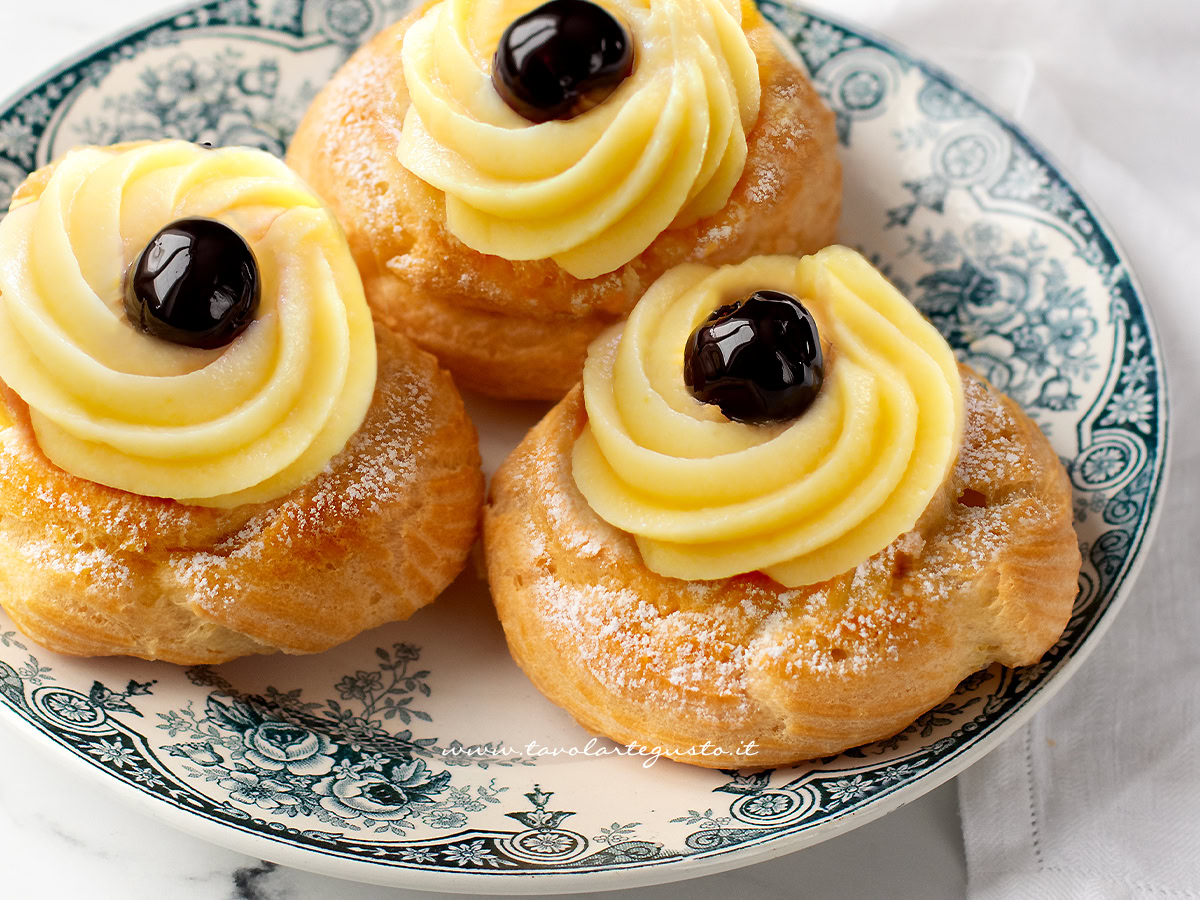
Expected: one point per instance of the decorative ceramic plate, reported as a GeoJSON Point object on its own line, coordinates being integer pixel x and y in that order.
{"type": "Point", "coordinates": [418, 755]}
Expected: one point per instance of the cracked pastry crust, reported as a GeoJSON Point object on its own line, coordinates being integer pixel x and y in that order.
{"type": "Point", "coordinates": [521, 329]}
{"type": "Point", "coordinates": [90, 570]}
{"type": "Point", "coordinates": [989, 574]}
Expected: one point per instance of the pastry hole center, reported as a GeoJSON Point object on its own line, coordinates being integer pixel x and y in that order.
{"type": "Point", "coordinates": [972, 498]}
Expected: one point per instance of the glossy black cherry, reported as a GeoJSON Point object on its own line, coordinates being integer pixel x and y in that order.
{"type": "Point", "coordinates": [759, 359]}
{"type": "Point", "coordinates": [196, 283]}
{"type": "Point", "coordinates": [561, 59]}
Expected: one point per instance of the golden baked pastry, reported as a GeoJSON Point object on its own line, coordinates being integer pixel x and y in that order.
{"type": "Point", "coordinates": [742, 670]}
{"type": "Point", "coordinates": [91, 570]}
{"type": "Point", "coordinates": [353, 497]}
{"type": "Point", "coordinates": [519, 325]}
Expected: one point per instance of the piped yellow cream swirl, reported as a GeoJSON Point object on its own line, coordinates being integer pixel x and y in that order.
{"type": "Point", "coordinates": [592, 192]}
{"type": "Point", "coordinates": [804, 500]}
{"type": "Point", "coordinates": [243, 423]}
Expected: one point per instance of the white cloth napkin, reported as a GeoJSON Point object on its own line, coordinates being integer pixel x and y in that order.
{"type": "Point", "coordinates": [1099, 797]}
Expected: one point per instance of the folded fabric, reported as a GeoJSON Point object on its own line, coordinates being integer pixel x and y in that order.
{"type": "Point", "coordinates": [1099, 796]}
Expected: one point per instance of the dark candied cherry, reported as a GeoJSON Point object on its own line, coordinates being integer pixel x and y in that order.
{"type": "Point", "coordinates": [196, 283]}
{"type": "Point", "coordinates": [759, 359]}
{"type": "Point", "coordinates": [561, 59]}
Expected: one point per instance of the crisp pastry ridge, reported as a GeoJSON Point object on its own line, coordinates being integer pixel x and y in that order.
{"type": "Point", "coordinates": [987, 575]}
{"type": "Point", "coordinates": [521, 329]}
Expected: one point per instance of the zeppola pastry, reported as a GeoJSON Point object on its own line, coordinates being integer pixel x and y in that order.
{"type": "Point", "coordinates": [512, 178]}
{"type": "Point", "coordinates": [207, 449]}
{"type": "Point", "coordinates": [776, 520]}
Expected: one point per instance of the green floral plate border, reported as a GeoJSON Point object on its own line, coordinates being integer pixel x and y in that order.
{"type": "Point", "coordinates": [335, 764]}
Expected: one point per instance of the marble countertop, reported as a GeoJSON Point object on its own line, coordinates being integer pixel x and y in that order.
{"type": "Point", "coordinates": [62, 835]}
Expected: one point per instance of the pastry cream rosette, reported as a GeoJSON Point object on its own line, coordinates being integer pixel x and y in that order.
{"type": "Point", "coordinates": [594, 191]}
{"type": "Point", "coordinates": [801, 501]}
{"type": "Point", "coordinates": [243, 423]}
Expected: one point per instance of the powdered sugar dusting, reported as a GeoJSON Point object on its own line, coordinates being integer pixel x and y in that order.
{"type": "Point", "coordinates": [34, 490]}
{"type": "Point", "coordinates": [664, 641]}
{"type": "Point", "coordinates": [635, 648]}
{"type": "Point", "coordinates": [569, 526]}
{"type": "Point", "coordinates": [764, 185]}
{"type": "Point", "coordinates": [97, 567]}
{"type": "Point", "coordinates": [375, 469]}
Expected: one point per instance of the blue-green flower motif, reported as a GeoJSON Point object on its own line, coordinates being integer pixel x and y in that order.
{"type": "Point", "coordinates": [978, 297]}
{"type": "Point", "coordinates": [473, 853]}
{"type": "Point", "coordinates": [945, 289]}
{"type": "Point", "coordinates": [1133, 405]}
{"type": "Point", "coordinates": [374, 761]}
{"type": "Point", "coordinates": [282, 745]}
{"type": "Point", "coordinates": [463, 800]}
{"type": "Point", "coordinates": [407, 652]}
{"type": "Point", "coordinates": [1006, 297]}
{"type": "Point", "coordinates": [819, 41]}
{"type": "Point", "coordinates": [112, 752]}
{"type": "Point", "coordinates": [145, 776]}
{"type": "Point", "coordinates": [35, 109]}
{"type": "Point", "coordinates": [1025, 178]}
{"type": "Point", "coordinates": [349, 17]}
{"type": "Point", "coordinates": [1137, 371]}
{"type": "Point", "coordinates": [284, 14]}
{"type": "Point", "coordinates": [767, 805]}
{"type": "Point", "coordinates": [1058, 198]}
{"type": "Point", "coordinates": [1069, 329]}
{"type": "Point", "coordinates": [893, 774]}
{"type": "Point", "coordinates": [71, 708]}
{"type": "Point", "coordinates": [965, 157]}
{"type": "Point", "coordinates": [846, 789]}
{"type": "Point", "coordinates": [265, 793]}
{"type": "Point", "coordinates": [378, 796]}
{"type": "Point", "coordinates": [444, 818]}
{"type": "Point", "coordinates": [346, 769]}
{"type": "Point", "coordinates": [862, 90]}
{"type": "Point", "coordinates": [17, 140]}
{"type": "Point", "coordinates": [549, 842]}
{"type": "Point", "coordinates": [1104, 464]}
{"type": "Point", "coordinates": [236, 12]}
{"type": "Point", "coordinates": [359, 685]}
{"type": "Point", "coordinates": [218, 98]}
{"type": "Point", "coordinates": [418, 855]}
